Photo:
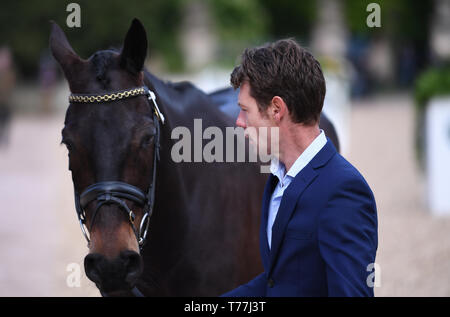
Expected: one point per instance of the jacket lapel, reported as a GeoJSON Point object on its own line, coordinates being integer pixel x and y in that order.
{"type": "Point", "coordinates": [291, 195]}
{"type": "Point", "coordinates": [263, 244]}
{"type": "Point", "coordinates": [288, 202]}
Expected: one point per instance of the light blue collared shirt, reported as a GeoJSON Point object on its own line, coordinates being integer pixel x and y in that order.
{"type": "Point", "coordinates": [279, 170]}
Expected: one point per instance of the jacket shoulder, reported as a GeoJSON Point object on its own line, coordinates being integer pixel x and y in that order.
{"type": "Point", "coordinates": [341, 173]}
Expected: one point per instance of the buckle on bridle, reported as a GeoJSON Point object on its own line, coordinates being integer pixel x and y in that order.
{"type": "Point", "coordinates": [131, 216]}
{"type": "Point", "coordinates": [144, 225]}
{"type": "Point", "coordinates": [152, 97]}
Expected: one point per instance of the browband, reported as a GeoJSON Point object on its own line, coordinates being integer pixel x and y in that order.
{"type": "Point", "coordinates": [118, 95]}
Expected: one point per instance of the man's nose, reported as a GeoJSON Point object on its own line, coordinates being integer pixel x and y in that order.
{"type": "Point", "coordinates": [240, 121]}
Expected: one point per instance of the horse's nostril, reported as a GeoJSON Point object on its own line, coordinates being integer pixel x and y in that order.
{"type": "Point", "coordinates": [91, 266]}
{"type": "Point", "coordinates": [133, 266]}
{"type": "Point", "coordinates": [120, 273]}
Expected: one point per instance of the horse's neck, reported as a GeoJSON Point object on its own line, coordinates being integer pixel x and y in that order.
{"type": "Point", "coordinates": [167, 99]}
{"type": "Point", "coordinates": [173, 118]}
{"type": "Point", "coordinates": [181, 104]}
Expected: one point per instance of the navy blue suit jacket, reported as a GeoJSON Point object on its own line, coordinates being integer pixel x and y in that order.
{"type": "Point", "coordinates": [324, 236]}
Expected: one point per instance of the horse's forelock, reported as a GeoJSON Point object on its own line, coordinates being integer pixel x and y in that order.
{"type": "Point", "coordinates": [101, 62]}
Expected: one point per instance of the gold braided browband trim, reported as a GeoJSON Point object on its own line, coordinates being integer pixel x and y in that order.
{"type": "Point", "coordinates": [114, 96]}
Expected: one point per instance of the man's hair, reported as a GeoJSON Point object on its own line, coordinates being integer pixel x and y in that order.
{"type": "Point", "coordinates": [287, 70]}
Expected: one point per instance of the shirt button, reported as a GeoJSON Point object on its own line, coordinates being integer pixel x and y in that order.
{"type": "Point", "coordinates": [271, 283]}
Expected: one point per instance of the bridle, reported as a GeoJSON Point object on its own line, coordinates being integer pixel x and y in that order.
{"type": "Point", "coordinates": [115, 192]}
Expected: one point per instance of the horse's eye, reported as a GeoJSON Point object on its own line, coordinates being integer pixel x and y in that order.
{"type": "Point", "coordinates": [147, 140]}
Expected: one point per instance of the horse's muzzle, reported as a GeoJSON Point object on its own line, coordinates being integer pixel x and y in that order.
{"type": "Point", "coordinates": [116, 275]}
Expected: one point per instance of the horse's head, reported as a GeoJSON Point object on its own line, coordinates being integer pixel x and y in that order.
{"type": "Point", "coordinates": [111, 149]}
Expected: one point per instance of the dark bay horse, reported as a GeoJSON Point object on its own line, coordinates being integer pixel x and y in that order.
{"type": "Point", "coordinates": [204, 229]}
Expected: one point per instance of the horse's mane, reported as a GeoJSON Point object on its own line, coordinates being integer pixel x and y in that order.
{"type": "Point", "coordinates": [186, 102]}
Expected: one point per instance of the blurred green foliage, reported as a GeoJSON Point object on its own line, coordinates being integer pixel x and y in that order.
{"type": "Point", "coordinates": [290, 18]}
{"type": "Point", "coordinates": [24, 26]}
{"type": "Point", "coordinates": [241, 24]}
{"type": "Point", "coordinates": [434, 82]}
{"type": "Point", "coordinates": [237, 23]}
{"type": "Point", "coordinates": [400, 19]}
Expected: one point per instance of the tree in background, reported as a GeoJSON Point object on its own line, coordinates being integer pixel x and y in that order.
{"type": "Point", "coordinates": [238, 24]}
{"type": "Point", "coordinates": [24, 26]}
{"type": "Point", "coordinates": [404, 29]}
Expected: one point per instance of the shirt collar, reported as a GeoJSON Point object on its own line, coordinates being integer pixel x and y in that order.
{"type": "Point", "coordinates": [278, 169]}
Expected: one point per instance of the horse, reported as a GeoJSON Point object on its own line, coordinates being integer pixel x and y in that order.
{"type": "Point", "coordinates": [155, 227]}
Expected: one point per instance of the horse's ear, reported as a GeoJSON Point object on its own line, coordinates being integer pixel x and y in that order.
{"type": "Point", "coordinates": [134, 48]}
{"type": "Point", "coordinates": [61, 49]}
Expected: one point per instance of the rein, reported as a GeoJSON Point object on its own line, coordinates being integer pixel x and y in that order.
{"type": "Point", "coordinates": [115, 192]}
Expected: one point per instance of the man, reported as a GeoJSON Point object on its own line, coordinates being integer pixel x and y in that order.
{"type": "Point", "coordinates": [319, 223]}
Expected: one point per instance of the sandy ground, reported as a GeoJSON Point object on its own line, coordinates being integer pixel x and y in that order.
{"type": "Point", "coordinates": [414, 247]}
{"type": "Point", "coordinates": [40, 237]}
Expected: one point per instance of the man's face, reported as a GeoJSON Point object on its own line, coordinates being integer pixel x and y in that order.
{"type": "Point", "coordinates": [258, 125]}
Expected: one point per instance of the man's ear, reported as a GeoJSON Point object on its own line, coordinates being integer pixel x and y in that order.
{"type": "Point", "coordinates": [134, 48]}
{"type": "Point", "coordinates": [62, 51]}
{"type": "Point", "coordinates": [278, 109]}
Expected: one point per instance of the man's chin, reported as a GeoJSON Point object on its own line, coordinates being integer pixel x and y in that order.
{"type": "Point", "coordinates": [259, 149]}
